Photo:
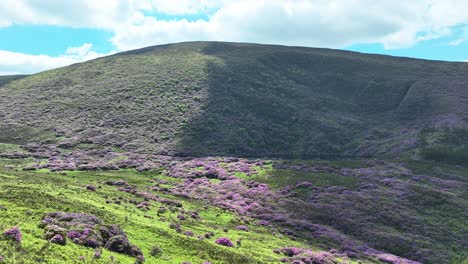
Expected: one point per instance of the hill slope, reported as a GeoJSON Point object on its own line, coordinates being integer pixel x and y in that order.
{"type": "Point", "coordinates": [210, 98]}
{"type": "Point", "coordinates": [85, 142]}
{"type": "Point", "coordinates": [8, 78]}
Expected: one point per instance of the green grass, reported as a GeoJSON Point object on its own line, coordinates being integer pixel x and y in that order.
{"type": "Point", "coordinates": [28, 196]}
{"type": "Point", "coordinates": [279, 178]}
{"type": "Point", "coordinates": [5, 148]}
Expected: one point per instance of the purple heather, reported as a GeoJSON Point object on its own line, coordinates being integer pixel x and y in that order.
{"type": "Point", "coordinates": [14, 234]}
{"type": "Point", "coordinates": [97, 254]}
{"type": "Point", "coordinates": [58, 239]}
{"type": "Point", "coordinates": [224, 241]}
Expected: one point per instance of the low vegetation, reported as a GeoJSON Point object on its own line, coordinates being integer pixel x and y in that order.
{"type": "Point", "coordinates": [222, 211]}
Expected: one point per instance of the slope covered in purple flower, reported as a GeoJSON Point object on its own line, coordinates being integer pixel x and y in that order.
{"type": "Point", "coordinates": [369, 209]}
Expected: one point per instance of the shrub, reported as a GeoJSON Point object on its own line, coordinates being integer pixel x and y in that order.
{"type": "Point", "coordinates": [242, 228]}
{"type": "Point", "coordinates": [97, 254]}
{"type": "Point", "coordinates": [291, 251]}
{"type": "Point", "coordinates": [140, 259]}
{"type": "Point", "coordinates": [181, 217]}
{"type": "Point", "coordinates": [224, 241]}
{"type": "Point", "coordinates": [14, 234]}
{"type": "Point", "coordinates": [73, 234]}
{"type": "Point", "coordinates": [155, 251]}
{"type": "Point", "coordinates": [58, 239]}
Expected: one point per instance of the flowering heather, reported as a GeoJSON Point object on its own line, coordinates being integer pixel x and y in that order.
{"type": "Point", "coordinates": [181, 217]}
{"type": "Point", "coordinates": [189, 233]}
{"type": "Point", "coordinates": [58, 239]}
{"type": "Point", "coordinates": [2, 258]}
{"type": "Point", "coordinates": [143, 205]}
{"type": "Point", "coordinates": [390, 259]}
{"type": "Point", "coordinates": [323, 257]}
{"type": "Point", "coordinates": [242, 228]}
{"type": "Point", "coordinates": [82, 258]}
{"type": "Point", "coordinates": [291, 251]}
{"type": "Point", "coordinates": [89, 231]}
{"type": "Point", "coordinates": [92, 242]}
{"type": "Point", "coordinates": [97, 254]}
{"type": "Point", "coordinates": [91, 188]}
{"type": "Point", "coordinates": [224, 241]}
{"type": "Point", "coordinates": [73, 234]}
{"type": "Point", "coordinates": [14, 234]}
{"type": "Point", "coordinates": [140, 259]}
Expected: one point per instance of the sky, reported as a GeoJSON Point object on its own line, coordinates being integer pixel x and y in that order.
{"type": "Point", "coordinates": [37, 35]}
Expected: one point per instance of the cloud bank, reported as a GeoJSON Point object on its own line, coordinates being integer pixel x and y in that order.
{"type": "Point", "coordinates": [19, 63]}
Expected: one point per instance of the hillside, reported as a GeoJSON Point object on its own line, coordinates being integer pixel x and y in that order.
{"type": "Point", "coordinates": [213, 98]}
{"type": "Point", "coordinates": [323, 212]}
{"type": "Point", "coordinates": [8, 78]}
{"type": "Point", "coordinates": [211, 152]}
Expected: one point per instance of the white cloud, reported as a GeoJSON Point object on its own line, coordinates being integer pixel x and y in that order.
{"type": "Point", "coordinates": [80, 13]}
{"type": "Point", "coordinates": [20, 63]}
{"type": "Point", "coordinates": [321, 23]}
{"type": "Point", "coordinates": [325, 23]}
{"type": "Point", "coordinates": [183, 7]}
{"type": "Point", "coordinates": [298, 22]}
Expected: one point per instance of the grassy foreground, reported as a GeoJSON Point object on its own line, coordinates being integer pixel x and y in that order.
{"type": "Point", "coordinates": [26, 196]}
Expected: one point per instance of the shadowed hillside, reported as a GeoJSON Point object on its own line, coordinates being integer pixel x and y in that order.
{"type": "Point", "coordinates": [8, 78]}
{"type": "Point", "coordinates": [210, 98]}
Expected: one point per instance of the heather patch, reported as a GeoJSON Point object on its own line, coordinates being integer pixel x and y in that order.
{"type": "Point", "coordinates": [13, 234]}
{"type": "Point", "coordinates": [224, 241]}
{"type": "Point", "coordinates": [87, 230]}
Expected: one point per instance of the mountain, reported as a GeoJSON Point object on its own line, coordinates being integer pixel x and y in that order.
{"type": "Point", "coordinates": [211, 152]}
{"type": "Point", "coordinates": [215, 98]}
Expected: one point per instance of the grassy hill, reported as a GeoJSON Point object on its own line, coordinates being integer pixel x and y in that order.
{"type": "Point", "coordinates": [294, 155]}
{"type": "Point", "coordinates": [213, 98]}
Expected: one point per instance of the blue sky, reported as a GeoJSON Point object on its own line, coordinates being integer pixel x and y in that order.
{"type": "Point", "coordinates": [52, 40]}
{"type": "Point", "coordinates": [40, 35]}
